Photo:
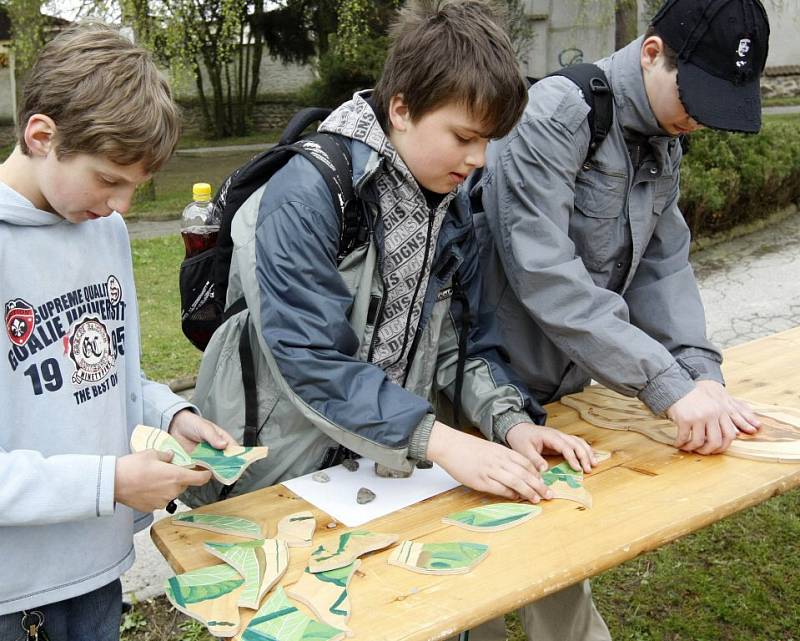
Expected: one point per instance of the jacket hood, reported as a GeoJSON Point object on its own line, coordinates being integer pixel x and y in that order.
{"type": "Point", "coordinates": [18, 210]}
{"type": "Point", "coordinates": [633, 107]}
{"type": "Point", "coordinates": [355, 119]}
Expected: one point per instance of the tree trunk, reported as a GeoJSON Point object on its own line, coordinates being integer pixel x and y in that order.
{"type": "Point", "coordinates": [626, 22]}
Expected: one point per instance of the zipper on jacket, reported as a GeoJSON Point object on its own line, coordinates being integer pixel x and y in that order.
{"type": "Point", "coordinates": [379, 315]}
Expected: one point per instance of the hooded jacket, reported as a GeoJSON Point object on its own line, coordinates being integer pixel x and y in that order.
{"type": "Point", "coordinates": [71, 392]}
{"type": "Point", "coordinates": [586, 264]}
{"type": "Point", "coordinates": [312, 322]}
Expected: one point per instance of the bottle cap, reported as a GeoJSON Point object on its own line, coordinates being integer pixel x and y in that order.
{"type": "Point", "coordinates": [201, 192]}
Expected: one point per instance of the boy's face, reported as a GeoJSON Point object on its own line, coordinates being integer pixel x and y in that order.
{"type": "Point", "coordinates": [441, 147]}
{"type": "Point", "coordinates": [661, 85]}
{"type": "Point", "coordinates": [86, 187]}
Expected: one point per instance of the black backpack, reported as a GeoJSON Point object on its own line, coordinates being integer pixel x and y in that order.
{"type": "Point", "coordinates": [203, 280]}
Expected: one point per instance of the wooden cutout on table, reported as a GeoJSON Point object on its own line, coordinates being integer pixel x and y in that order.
{"type": "Point", "coordinates": [220, 523]}
{"type": "Point", "coordinates": [327, 594]}
{"type": "Point", "coordinates": [777, 440]}
{"type": "Point", "coordinates": [455, 557]}
{"type": "Point", "coordinates": [261, 563]}
{"type": "Point", "coordinates": [351, 545]}
{"type": "Point", "coordinates": [209, 595]}
{"type": "Point", "coordinates": [226, 465]}
{"type": "Point", "coordinates": [494, 517]}
{"type": "Point", "coordinates": [567, 483]}
{"type": "Point", "coordinates": [297, 529]}
{"type": "Point", "coordinates": [279, 620]}
{"type": "Point", "coordinates": [601, 455]}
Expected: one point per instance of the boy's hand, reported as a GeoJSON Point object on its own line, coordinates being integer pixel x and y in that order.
{"type": "Point", "coordinates": [146, 480]}
{"type": "Point", "coordinates": [189, 429]}
{"type": "Point", "coordinates": [709, 419]}
{"type": "Point", "coordinates": [533, 440]}
{"type": "Point", "coordinates": [485, 466]}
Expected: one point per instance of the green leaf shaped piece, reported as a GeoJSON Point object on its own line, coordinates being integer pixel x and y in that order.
{"type": "Point", "coordinates": [457, 557]}
{"type": "Point", "coordinates": [326, 593]}
{"type": "Point", "coordinates": [494, 517]}
{"type": "Point", "coordinates": [220, 523]}
{"type": "Point", "coordinates": [152, 438]}
{"type": "Point", "coordinates": [261, 563]}
{"type": "Point", "coordinates": [279, 620]}
{"type": "Point", "coordinates": [563, 472]}
{"type": "Point", "coordinates": [226, 465]}
{"type": "Point", "coordinates": [209, 595]}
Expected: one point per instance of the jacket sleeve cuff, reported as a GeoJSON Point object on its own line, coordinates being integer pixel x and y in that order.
{"type": "Point", "coordinates": [702, 368]}
{"type": "Point", "coordinates": [418, 445]}
{"type": "Point", "coordinates": [168, 414]}
{"type": "Point", "coordinates": [503, 423]}
{"type": "Point", "coordinates": [668, 387]}
{"type": "Point", "coordinates": [105, 486]}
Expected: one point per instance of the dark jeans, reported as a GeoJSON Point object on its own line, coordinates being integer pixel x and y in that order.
{"type": "Point", "coordinates": [90, 617]}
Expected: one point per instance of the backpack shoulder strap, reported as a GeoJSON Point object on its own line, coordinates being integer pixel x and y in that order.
{"type": "Point", "coordinates": [592, 81]}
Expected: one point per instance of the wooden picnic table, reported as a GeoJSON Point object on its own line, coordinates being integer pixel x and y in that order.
{"type": "Point", "coordinates": [645, 495]}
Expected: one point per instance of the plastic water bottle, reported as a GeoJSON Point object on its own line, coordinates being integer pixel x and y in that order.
{"type": "Point", "coordinates": [199, 225]}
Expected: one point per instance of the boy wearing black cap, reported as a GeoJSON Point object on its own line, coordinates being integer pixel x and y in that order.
{"type": "Point", "coordinates": [586, 256]}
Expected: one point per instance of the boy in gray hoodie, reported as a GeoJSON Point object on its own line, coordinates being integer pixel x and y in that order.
{"type": "Point", "coordinates": [587, 260]}
{"type": "Point", "coordinates": [96, 120]}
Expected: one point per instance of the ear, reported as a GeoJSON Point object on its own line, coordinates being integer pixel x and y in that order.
{"type": "Point", "coordinates": [40, 135]}
{"type": "Point", "coordinates": [399, 116]}
{"type": "Point", "coordinates": [652, 51]}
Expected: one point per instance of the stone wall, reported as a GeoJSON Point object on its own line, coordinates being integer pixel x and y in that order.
{"type": "Point", "coordinates": [781, 82]}
{"type": "Point", "coordinates": [268, 115]}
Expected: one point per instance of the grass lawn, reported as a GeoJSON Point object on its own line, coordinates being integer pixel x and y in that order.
{"type": "Point", "coordinates": [166, 353]}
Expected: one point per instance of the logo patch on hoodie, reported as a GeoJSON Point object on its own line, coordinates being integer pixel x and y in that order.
{"type": "Point", "coordinates": [90, 350]}
{"type": "Point", "coordinates": [20, 321]}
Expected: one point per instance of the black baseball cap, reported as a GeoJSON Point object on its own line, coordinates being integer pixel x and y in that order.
{"type": "Point", "coordinates": [722, 48]}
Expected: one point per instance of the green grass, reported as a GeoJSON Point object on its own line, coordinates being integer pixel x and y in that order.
{"type": "Point", "coordinates": [166, 353]}
{"type": "Point", "coordinates": [781, 102]}
{"type": "Point", "coordinates": [193, 140]}
{"type": "Point", "coordinates": [173, 184]}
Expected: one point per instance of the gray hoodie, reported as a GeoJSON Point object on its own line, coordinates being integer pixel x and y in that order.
{"type": "Point", "coordinates": [70, 391]}
{"type": "Point", "coordinates": [586, 264]}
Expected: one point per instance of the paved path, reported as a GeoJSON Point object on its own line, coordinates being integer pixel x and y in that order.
{"type": "Point", "coordinates": [750, 286]}
{"type": "Point", "coordinates": [781, 109]}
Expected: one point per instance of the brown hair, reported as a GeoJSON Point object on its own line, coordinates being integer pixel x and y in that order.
{"type": "Point", "coordinates": [105, 95]}
{"type": "Point", "coordinates": [670, 57]}
{"type": "Point", "coordinates": [453, 51]}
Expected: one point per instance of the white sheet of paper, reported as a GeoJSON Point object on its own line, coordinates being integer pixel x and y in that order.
{"type": "Point", "coordinates": [338, 496]}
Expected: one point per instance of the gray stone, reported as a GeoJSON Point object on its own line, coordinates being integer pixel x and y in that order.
{"type": "Point", "coordinates": [365, 495]}
{"type": "Point", "coordinates": [332, 525]}
{"type": "Point", "coordinates": [350, 464]}
{"type": "Point", "coordinates": [388, 473]}
{"type": "Point", "coordinates": [424, 465]}
{"type": "Point", "coordinates": [320, 477]}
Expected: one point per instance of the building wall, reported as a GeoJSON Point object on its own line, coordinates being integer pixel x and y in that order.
{"type": "Point", "coordinates": [6, 87]}
{"type": "Point", "coordinates": [784, 23]}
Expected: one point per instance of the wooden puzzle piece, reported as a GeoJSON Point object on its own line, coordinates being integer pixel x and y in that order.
{"type": "Point", "coordinates": [220, 523]}
{"type": "Point", "coordinates": [297, 529]}
{"type": "Point", "coordinates": [456, 557]}
{"type": "Point", "coordinates": [777, 440]}
{"type": "Point", "coordinates": [601, 455]}
{"type": "Point", "coordinates": [261, 563]}
{"type": "Point", "coordinates": [567, 483]}
{"type": "Point", "coordinates": [351, 545]}
{"type": "Point", "coordinates": [151, 438]}
{"type": "Point", "coordinates": [229, 464]}
{"type": "Point", "coordinates": [226, 465]}
{"type": "Point", "coordinates": [326, 594]}
{"type": "Point", "coordinates": [494, 517]}
{"type": "Point", "coordinates": [279, 620]}
{"type": "Point", "coordinates": [209, 595]}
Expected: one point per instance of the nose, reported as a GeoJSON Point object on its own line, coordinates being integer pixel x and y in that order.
{"type": "Point", "coordinates": [120, 201]}
{"type": "Point", "coordinates": [477, 154]}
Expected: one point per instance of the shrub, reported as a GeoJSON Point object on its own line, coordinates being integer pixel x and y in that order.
{"type": "Point", "coordinates": [728, 179]}
{"type": "Point", "coordinates": [340, 76]}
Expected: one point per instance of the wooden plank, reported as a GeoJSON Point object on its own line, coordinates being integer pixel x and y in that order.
{"type": "Point", "coordinates": [646, 495]}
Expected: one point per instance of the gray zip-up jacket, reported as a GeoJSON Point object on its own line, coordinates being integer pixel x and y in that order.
{"type": "Point", "coordinates": [586, 264]}
{"type": "Point", "coordinates": [312, 326]}
{"type": "Point", "coordinates": [71, 392]}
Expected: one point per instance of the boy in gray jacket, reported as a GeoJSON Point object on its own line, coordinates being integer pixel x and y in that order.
{"type": "Point", "coordinates": [351, 353]}
{"type": "Point", "coordinates": [96, 119]}
{"type": "Point", "coordinates": [586, 262]}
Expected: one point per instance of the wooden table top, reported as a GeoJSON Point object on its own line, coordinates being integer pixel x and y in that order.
{"type": "Point", "coordinates": [646, 495]}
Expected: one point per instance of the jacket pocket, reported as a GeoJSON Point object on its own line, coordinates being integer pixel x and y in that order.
{"type": "Point", "coordinates": [597, 226]}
